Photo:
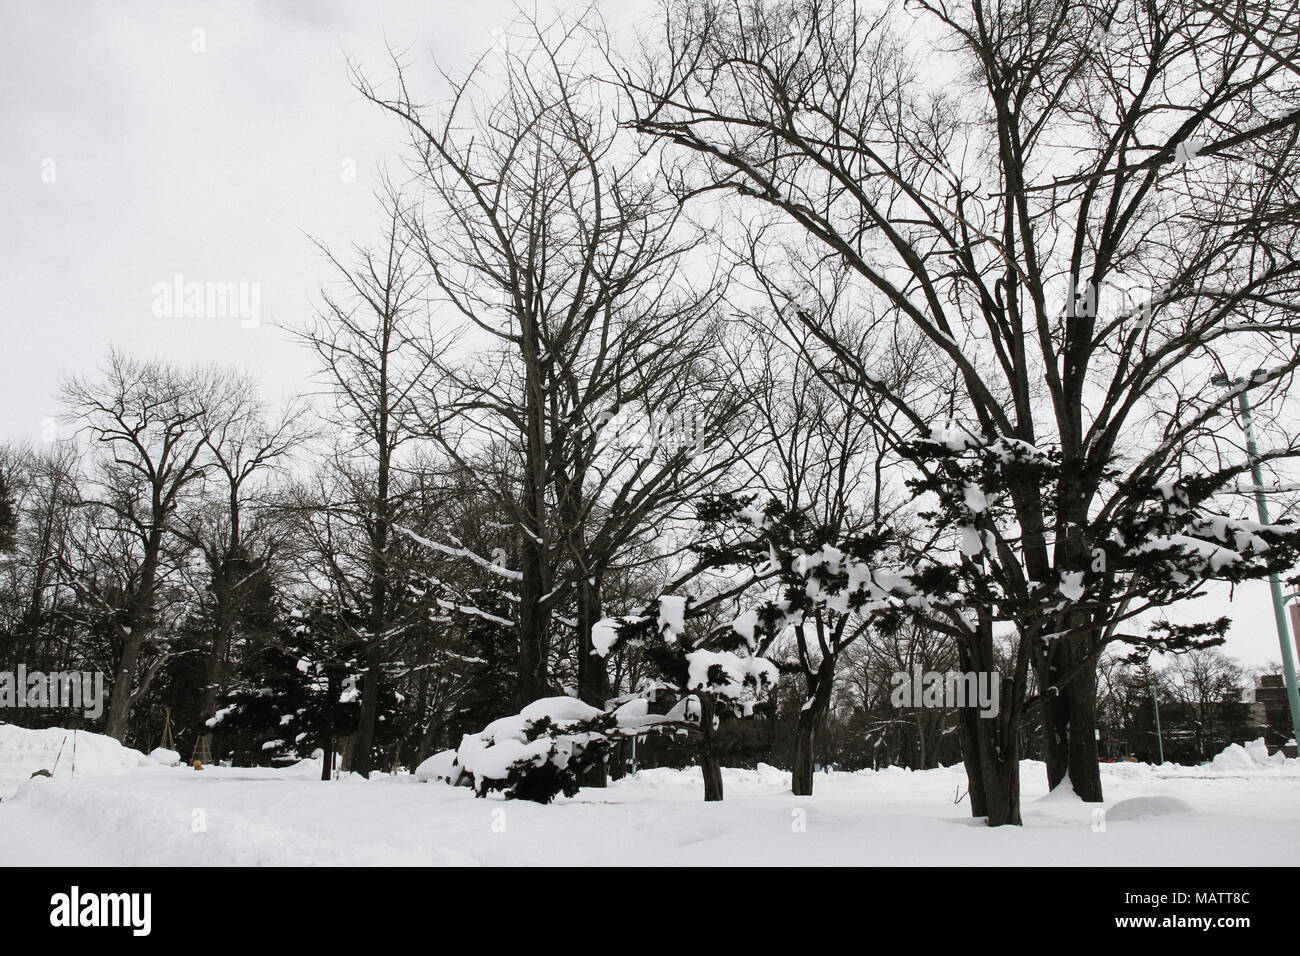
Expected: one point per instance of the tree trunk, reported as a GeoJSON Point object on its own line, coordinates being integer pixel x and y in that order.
{"type": "Point", "coordinates": [1084, 761]}
{"type": "Point", "coordinates": [527, 686]}
{"type": "Point", "coordinates": [709, 764]}
{"type": "Point", "coordinates": [810, 719]}
{"type": "Point", "coordinates": [1056, 739]}
{"type": "Point", "coordinates": [534, 554]}
{"type": "Point", "coordinates": [1001, 774]}
{"type": "Point", "coordinates": [992, 772]}
{"type": "Point", "coordinates": [805, 733]}
{"type": "Point", "coordinates": [592, 687]}
{"type": "Point", "coordinates": [119, 704]}
{"type": "Point", "coordinates": [229, 578]}
{"type": "Point", "coordinates": [712, 770]}
{"type": "Point", "coordinates": [426, 747]}
{"type": "Point", "coordinates": [363, 741]}
{"type": "Point", "coordinates": [972, 758]}
{"type": "Point", "coordinates": [215, 674]}
{"type": "Point", "coordinates": [334, 684]}
{"type": "Point", "coordinates": [216, 670]}
{"type": "Point", "coordinates": [139, 620]}
{"type": "Point", "coordinates": [1070, 722]}
{"type": "Point", "coordinates": [990, 745]}
{"type": "Point", "coordinates": [531, 679]}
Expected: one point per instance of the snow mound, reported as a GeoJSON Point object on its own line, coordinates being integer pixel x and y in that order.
{"type": "Point", "coordinates": [1258, 751]}
{"type": "Point", "coordinates": [168, 758]}
{"type": "Point", "coordinates": [1063, 792]}
{"type": "Point", "coordinates": [24, 751]}
{"type": "Point", "coordinates": [1135, 807]}
{"type": "Point", "coordinates": [1253, 756]}
{"type": "Point", "coordinates": [1233, 757]}
{"type": "Point", "coordinates": [441, 767]}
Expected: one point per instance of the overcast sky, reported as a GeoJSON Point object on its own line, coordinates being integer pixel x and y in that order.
{"type": "Point", "coordinates": [137, 149]}
{"type": "Point", "coordinates": [148, 140]}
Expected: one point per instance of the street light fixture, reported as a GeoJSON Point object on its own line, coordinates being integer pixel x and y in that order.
{"type": "Point", "coordinates": [1274, 583]}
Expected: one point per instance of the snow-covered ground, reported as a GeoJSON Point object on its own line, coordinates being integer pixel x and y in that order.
{"type": "Point", "coordinates": [122, 808]}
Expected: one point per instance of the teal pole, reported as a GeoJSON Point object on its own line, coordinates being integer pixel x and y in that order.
{"type": "Point", "coordinates": [1274, 583]}
{"type": "Point", "coordinates": [1160, 740]}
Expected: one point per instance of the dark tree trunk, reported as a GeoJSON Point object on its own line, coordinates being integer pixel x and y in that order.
{"type": "Point", "coordinates": [972, 759]}
{"type": "Point", "coordinates": [230, 578]}
{"type": "Point", "coordinates": [426, 747]}
{"type": "Point", "coordinates": [709, 763]}
{"type": "Point", "coordinates": [1056, 739]}
{"type": "Point", "coordinates": [592, 688]}
{"type": "Point", "coordinates": [139, 621]}
{"type": "Point", "coordinates": [1085, 761]}
{"type": "Point", "coordinates": [216, 670]}
{"type": "Point", "coordinates": [1070, 722]}
{"type": "Point", "coordinates": [363, 741]}
{"type": "Point", "coordinates": [531, 679]}
{"type": "Point", "coordinates": [810, 719]}
{"type": "Point", "coordinates": [534, 552]}
{"type": "Point", "coordinates": [990, 745]}
{"type": "Point", "coordinates": [432, 726]}
{"type": "Point", "coordinates": [992, 771]}
{"type": "Point", "coordinates": [334, 684]}
{"type": "Point", "coordinates": [712, 770]}
{"type": "Point", "coordinates": [805, 733]}
{"type": "Point", "coordinates": [1001, 772]}
{"type": "Point", "coordinates": [119, 703]}
{"type": "Point", "coordinates": [216, 674]}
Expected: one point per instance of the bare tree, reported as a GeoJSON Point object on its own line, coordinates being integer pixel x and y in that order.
{"type": "Point", "coordinates": [371, 349]}
{"type": "Point", "coordinates": [1204, 681]}
{"type": "Point", "coordinates": [148, 423]}
{"type": "Point", "coordinates": [819, 457]}
{"type": "Point", "coordinates": [550, 240]}
{"type": "Point", "coordinates": [44, 484]}
{"type": "Point", "coordinates": [1068, 225]}
{"type": "Point", "coordinates": [871, 666]}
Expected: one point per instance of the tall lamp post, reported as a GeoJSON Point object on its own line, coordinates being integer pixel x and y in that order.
{"type": "Point", "coordinates": [1274, 583]}
{"type": "Point", "coordinates": [1160, 740]}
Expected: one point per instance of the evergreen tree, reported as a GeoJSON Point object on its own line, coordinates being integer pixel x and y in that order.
{"type": "Point", "coordinates": [293, 695]}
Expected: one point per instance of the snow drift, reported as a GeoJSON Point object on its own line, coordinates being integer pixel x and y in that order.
{"type": "Point", "coordinates": [24, 751]}
{"type": "Point", "coordinates": [1252, 757]}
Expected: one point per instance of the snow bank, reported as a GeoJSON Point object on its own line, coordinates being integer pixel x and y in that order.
{"type": "Point", "coordinates": [442, 767]}
{"type": "Point", "coordinates": [24, 751]}
{"type": "Point", "coordinates": [1153, 806]}
{"type": "Point", "coordinates": [168, 758]}
{"type": "Point", "coordinates": [1253, 757]}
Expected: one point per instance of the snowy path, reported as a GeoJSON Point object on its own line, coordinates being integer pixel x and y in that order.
{"type": "Point", "coordinates": [175, 816]}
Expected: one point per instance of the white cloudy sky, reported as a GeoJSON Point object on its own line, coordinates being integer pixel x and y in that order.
{"type": "Point", "coordinates": [217, 165]}
{"type": "Point", "coordinates": [213, 165]}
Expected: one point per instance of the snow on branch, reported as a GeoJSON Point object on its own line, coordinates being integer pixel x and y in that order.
{"type": "Point", "coordinates": [460, 551]}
